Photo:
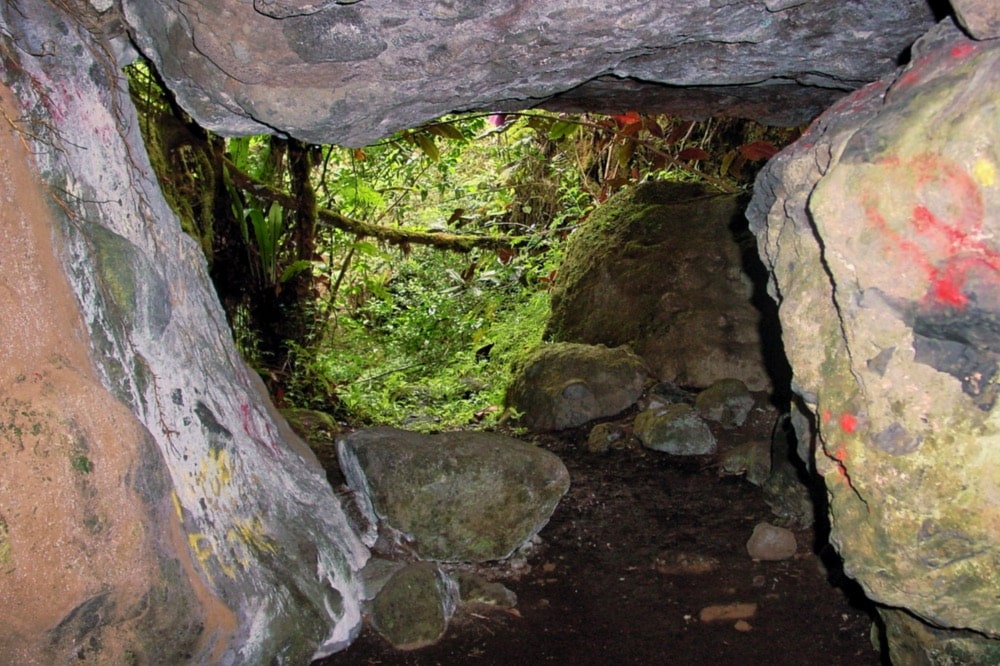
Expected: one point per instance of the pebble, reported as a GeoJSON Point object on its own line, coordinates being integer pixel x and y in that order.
{"type": "Point", "coordinates": [770, 542]}
{"type": "Point", "coordinates": [725, 612]}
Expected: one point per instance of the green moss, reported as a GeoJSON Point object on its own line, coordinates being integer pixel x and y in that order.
{"type": "Point", "coordinates": [4, 544]}
{"type": "Point", "coordinates": [82, 464]}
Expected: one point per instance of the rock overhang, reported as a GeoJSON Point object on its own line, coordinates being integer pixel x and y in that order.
{"type": "Point", "coordinates": [351, 73]}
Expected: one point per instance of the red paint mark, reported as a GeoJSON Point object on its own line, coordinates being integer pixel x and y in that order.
{"type": "Point", "coordinates": [251, 430]}
{"type": "Point", "coordinates": [843, 475]}
{"type": "Point", "coordinates": [947, 289]}
{"type": "Point", "coordinates": [246, 420]}
{"type": "Point", "coordinates": [916, 72]}
{"type": "Point", "coordinates": [962, 50]}
{"type": "Point", "coordinates": [848, 423]}
{"type": "Point", "coordinates": [944, 239]}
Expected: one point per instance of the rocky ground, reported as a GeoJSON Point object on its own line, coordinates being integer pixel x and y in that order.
{"type": "Point", "coordinates": [645, 562]}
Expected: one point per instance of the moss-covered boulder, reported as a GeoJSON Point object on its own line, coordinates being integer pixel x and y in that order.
{"type": "Point", "coordinates": [880, 226]}
{"type": "Point", "coordinates": [455, 496]}
{"type": "Point", "coordinates": [661, 267]}
{"type": "Point", "coordinates": [564, 385]}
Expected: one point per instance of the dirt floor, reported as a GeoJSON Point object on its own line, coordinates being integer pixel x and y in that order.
{"type": "Point", "coordinates": [642, 543]}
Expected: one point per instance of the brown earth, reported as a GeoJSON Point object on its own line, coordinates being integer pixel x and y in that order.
{"type": "Point", "coordinates": [640, 546]}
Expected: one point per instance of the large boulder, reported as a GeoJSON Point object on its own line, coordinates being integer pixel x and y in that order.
{"type": "Point", "coordinates": [659, 267]}
{"type": "Point", "coordinates": [564, 385]}
{"type": "Point", "coordinates": [452, 496]}
{"type": "Point", "coordinates": [333, 71]}
{"type": "Point", "coordinates": [153, 507]}
{"type": "Point", "coordinates": [880, 226]}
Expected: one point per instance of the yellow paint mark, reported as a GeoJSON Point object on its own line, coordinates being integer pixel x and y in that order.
{"type": "Point", "coordinates": [202, 548]}
{"type": "Point", "coordinates": [985, 172]}
{"type": "Point", "coordinates": [223, 473]}
{"type": "Point", "coordinates": [251, 533]}
{"type": "Point", "coordinates": [177, 505]}
{"type": "Point", "coordinates": [201, 553]}
{"type": "Point", "coordinates": [215, 473]}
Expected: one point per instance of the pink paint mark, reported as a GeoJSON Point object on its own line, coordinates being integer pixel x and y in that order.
{"type": "Point", "coordinates": [962, 50]}
{"type": "Point", "coordinates": [827, 415]}
{"type": "Point", "coordinates": [848, 423]}
{"type": "Point", "coordinates": [251, 430]}
{"type": "Point", "coordinates": [246, 420]}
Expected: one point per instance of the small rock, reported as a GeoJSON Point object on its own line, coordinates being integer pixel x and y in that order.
{"type": "Point", "coordinates": [414, 606]}
{"type": "Point", "coordinates": [474, 589]}
{"type": "Point", "coordinates": [675, 429]}
{"type": "Point", "coordinates": [770, 542]}
{"type": "Point", "coordinates": [605, 436]}
{"type": "Point", "coordinates": [752, 459]}
{"type": "Point", "coordinates": [318, 429]}
{"type": "Point", "coordinates": [662, 394]}
{"type": "Point", "coordinates": [742, 625]}
{"type": "Point", "coordinates": [564, 385]}
{"type": "Point", "coordinates": [725, 612]}
{"type": "Point", "coordinates": [727, 401]}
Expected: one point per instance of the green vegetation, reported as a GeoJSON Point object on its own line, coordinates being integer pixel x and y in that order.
{"type": "Point", "coordinates": [396, 283]}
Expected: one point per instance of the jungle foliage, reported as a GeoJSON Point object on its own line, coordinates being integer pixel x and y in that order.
{"type": "Point", "coordinates": [397, 282]}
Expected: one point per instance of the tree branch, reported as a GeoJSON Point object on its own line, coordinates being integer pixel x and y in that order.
{"type": "Point", "coordinates": [395, 235]}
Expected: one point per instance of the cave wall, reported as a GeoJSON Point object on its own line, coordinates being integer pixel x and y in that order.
{"type": "Point", "coordinates": [153, 508]}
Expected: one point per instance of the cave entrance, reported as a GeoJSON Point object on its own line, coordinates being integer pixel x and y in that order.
{"type": "Point", "coordinates": [653, 554]}
{"type": "Point", "coordinates": [442, 246]}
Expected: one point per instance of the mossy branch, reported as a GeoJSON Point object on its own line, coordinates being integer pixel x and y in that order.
{"type": "Point", "coordinates": [394, 235]}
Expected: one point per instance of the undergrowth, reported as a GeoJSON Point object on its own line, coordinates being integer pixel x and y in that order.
{"type": "Point", "coordinates": [432, 352]}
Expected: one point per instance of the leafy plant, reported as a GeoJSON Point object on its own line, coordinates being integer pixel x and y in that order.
{"type": "Point", "coordinates": [320, 257]}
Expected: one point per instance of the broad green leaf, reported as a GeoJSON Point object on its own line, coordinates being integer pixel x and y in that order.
{"type": "Point", "coordinates": [426, 143]}
{"type": "Point", "coordinates": [563, 129]}
{"type": "Point", "coordinates": [294, 269]}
